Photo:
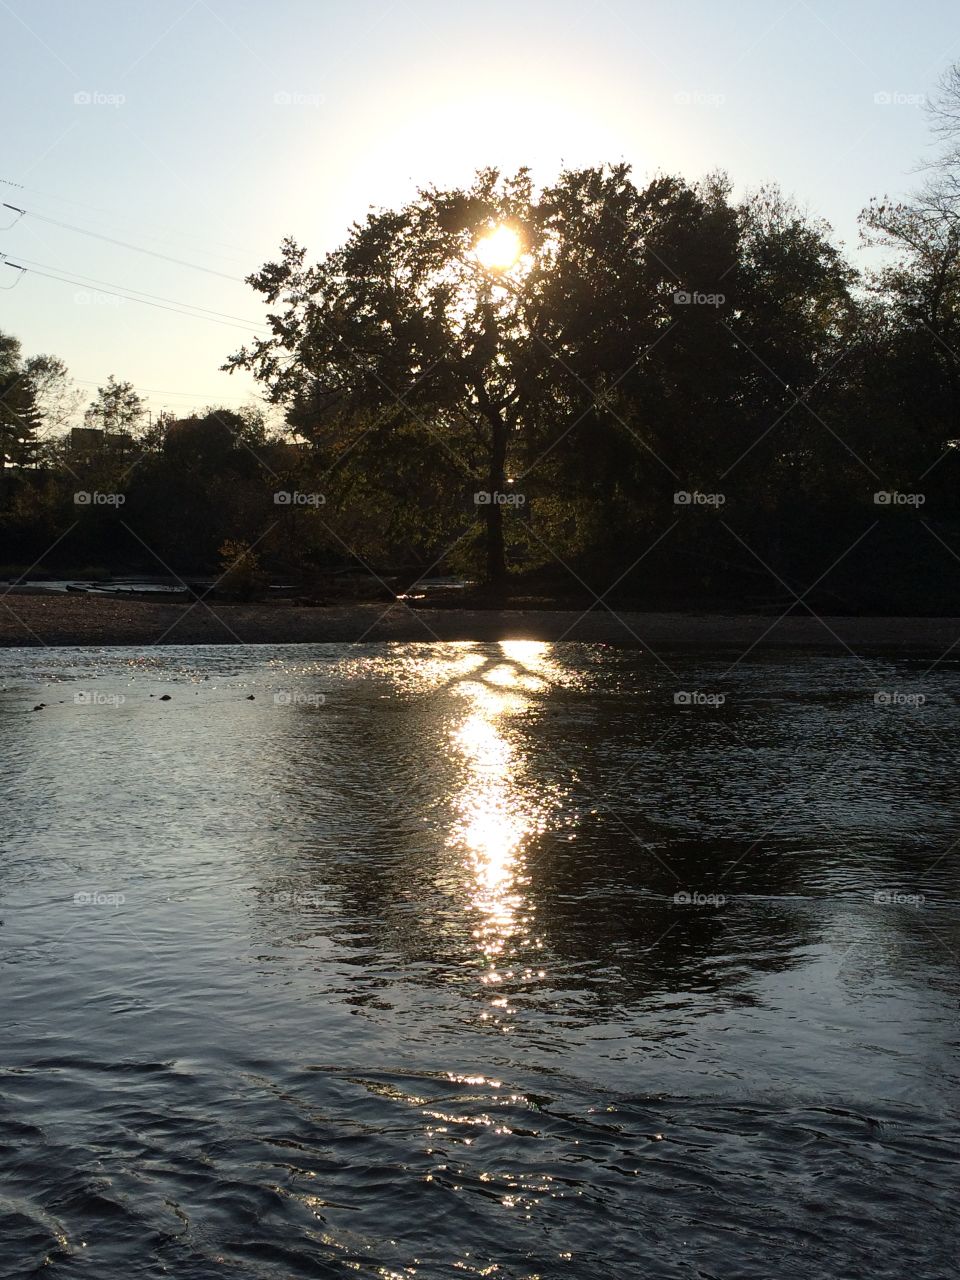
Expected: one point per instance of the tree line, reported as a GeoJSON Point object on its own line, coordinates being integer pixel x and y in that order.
{"type": "Point", "coordinates": [666, 393]}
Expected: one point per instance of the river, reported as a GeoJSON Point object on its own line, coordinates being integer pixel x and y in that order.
{"type": "Point", "coordinates": [514, 960]}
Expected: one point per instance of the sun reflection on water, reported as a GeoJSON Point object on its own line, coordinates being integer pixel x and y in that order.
{"type": "Point", "coordinates": [499, 810]}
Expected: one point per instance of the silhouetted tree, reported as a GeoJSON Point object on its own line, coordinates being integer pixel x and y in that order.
{"type": "Point", "coordinates": [404, 322]}
{"type": "Point", "coordinates": [20, 412]}
{"type": "Point", "coordinates": [117, 409]}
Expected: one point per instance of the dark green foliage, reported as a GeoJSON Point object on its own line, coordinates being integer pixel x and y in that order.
{"type": "Point", "coordinates": [652, 341]}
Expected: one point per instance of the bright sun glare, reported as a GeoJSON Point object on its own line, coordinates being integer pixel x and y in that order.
{"type": "Point", "coordinates": [499, 249]}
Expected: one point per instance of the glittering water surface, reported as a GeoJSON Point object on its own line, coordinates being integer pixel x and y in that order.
{"type": "Point", "coordinates": [514, 960]}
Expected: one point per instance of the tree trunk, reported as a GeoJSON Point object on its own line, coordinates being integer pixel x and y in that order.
{"type": "Point", "coordinates": [496, 574]}
{"type": "Point", "coordinates": [496, 551]}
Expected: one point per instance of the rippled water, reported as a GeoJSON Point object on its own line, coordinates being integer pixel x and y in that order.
{"type": "Point", "coordinates": [388, 970]}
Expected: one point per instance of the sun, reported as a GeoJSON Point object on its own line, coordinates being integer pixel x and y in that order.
{"type": "Point", "coordinates": [499, 248]}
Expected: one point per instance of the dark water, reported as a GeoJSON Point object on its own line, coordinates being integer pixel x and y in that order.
{"type": "Point", "coordinates": [383, 973]}
{"type": "Point", "coordinates": [109, 586]}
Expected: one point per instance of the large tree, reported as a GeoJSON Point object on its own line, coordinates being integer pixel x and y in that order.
{"type": "Point", "coordinates": [420, 318]}
{"type": "Point", "coordinates": [919, 286]}
{"type": "Point", "coordinates": [404, 324]}
{"type": "Point", "coordinates": [18, 411]}
{"type": "Point", "coordinates": [35, 396]}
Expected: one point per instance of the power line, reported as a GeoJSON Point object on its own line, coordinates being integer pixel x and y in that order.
{"type": "Point", "coordinates": [146, 299]}
{"type": "Point", "coordinates": [107, 286]}
{"type": "Point", "coordinates": [208, 396]}
{"type": "Point", "coordinates": [243, 324]}
{"type": "Point", "coordinates": [124, 244]}
{"type": "Point", "coordinates": [82, 204]}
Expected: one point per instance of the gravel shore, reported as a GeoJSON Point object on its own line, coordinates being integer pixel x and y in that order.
{"type": "Point", "coordinates": [51, 619]}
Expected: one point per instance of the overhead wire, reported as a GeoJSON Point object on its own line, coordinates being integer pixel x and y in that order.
{"type": "Point", "coordinates": [110, 213]}
{"type": "Point", "coordinates": [108, 286]}
{"type": "Point", "coordinates": [177, 307]}
{"type": "Point", "coordinates": [123, 244]}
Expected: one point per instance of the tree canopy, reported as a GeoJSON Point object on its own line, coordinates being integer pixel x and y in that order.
{"type": "Point", "coordinates": [657, 390]}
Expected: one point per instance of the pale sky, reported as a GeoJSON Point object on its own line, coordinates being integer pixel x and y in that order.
{"type": "Point", "coordinates": [213, 128]}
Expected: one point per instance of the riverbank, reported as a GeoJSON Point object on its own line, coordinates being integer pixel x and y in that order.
{"type": "Point", "coordinates": [31, 619]}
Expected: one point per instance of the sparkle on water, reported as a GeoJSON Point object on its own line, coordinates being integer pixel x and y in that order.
{"type": "Point", "coordinates": [394, 970]}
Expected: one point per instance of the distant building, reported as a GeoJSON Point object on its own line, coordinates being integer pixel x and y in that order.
{"type": "Point", "coordinates": [86, 440]}
{"type": "Point", "coordinates": [92, 442]}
